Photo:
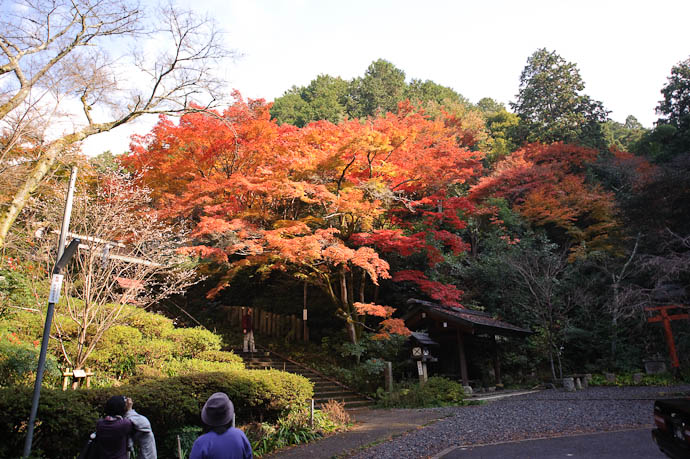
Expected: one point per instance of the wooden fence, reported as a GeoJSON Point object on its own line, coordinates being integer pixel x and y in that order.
{"type": "Point", "coordinates": [291, 328]}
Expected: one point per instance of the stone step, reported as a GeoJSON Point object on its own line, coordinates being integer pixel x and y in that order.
{"type": "Point", "coordinates": [333, 392]}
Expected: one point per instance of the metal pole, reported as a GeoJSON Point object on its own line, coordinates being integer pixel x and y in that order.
{"type": "Point", "coordinates": [55, 286]}
{"type": "Point", "coordinates": [68, 213]}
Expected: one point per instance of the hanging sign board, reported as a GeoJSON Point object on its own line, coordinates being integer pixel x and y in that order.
{"type": "Point", "coordinates": [55, 287]}
{"type": "Point", "coordinates": [419, 368]}
{"type": "Point", "coordinates": [79, 373]}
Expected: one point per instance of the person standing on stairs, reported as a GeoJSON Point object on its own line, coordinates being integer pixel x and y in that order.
{"type": "Point", "coordinates": [248, 330]}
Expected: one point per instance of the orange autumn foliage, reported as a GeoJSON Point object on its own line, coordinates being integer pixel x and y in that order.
{"type": "Point", "coordinates": [318, 201]}
{"type": "Point", "coordinates": [547, 185]}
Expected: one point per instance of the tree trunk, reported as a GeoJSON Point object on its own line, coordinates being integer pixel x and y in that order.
{"type": "Point", "coordinates": [553, 368]}
{"type": "Point", "coordinates": [43, 166]}
{"type": "Point", "coordinates": [21, 197]}
{"type": "Point", "coordinates": [560, 365]}
{"type": "Point", "coordinates": [352, 332]}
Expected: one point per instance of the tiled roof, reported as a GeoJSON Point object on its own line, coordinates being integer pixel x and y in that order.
{"type": "Point", "coordinates": [423, 338]}
{"type": "Point", "coordinates": [476, 319]}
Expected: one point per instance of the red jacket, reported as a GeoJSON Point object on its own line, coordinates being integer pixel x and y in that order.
{"type": "Point", "coordinates": [247, 322]}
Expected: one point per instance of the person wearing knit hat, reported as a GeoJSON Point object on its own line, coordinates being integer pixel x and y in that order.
{"type": "Point", "coordinates": [221, 441]}
{"type": "Point", "coordinates": [113, 430]}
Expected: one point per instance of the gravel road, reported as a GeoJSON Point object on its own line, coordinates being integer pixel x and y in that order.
{"type": "Point", "coordinates": [541, 414]}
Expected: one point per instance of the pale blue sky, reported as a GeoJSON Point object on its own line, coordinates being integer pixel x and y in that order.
{"type": "Point", "coordinates": [624, 49]}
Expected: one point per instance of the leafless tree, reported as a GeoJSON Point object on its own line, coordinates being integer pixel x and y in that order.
{"type": "Point", "coordinates": [63, 48]}
{"type": "Point", "coordinates": [127, 256]}
{"type": "Point", "coordinates": [540, 273]}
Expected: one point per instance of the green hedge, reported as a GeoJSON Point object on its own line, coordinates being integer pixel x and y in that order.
{"type": "Point", "coordinates": [65, 419]}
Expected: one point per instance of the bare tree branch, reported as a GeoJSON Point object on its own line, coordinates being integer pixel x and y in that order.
{"type": "Point", "coordinates": [60, 43]}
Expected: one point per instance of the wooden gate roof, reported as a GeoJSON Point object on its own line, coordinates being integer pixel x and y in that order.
{"type": "Point", "coordinates": [474, 322]}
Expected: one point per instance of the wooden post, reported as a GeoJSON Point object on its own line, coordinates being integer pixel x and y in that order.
{"type": "Point", "coordinates": [66, 375]}
{"type": "Point", "coordinates": [179, 448]}
{"type": "Point", "coordinates": [305, 334]}
{"type": "Point", "coordinates": [463, 360]}
{"type": "Point", "coordinates": [420, 372]}
{"type": "Point", "coordinates": [424, 373]}
{"type": "Point", "coordinates": [388, 376]}
{"type": "Point", "coordinates": [89, 373]}
{"type": "Point", "coordinates": [497, 362]}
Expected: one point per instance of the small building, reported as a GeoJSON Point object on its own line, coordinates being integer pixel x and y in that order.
{"type": "Point", "coordinates": [462, 334]}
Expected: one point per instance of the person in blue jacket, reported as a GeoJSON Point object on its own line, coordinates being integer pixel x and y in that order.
{"type": "Point", "coordinates": [221, 441]}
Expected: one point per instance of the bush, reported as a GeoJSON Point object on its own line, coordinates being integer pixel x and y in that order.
{"type": "Point", "coordinates": [119, 351]}
{"type": "Point", "coordinates": [190, 342]}
{"type": "Point", "coordinates": [221, 356]}
{"type": "Point", "coordinates": [18, 362]}
{"type": "Point", "coordinates": [195, 366]}
{"type": "Point", "coordinates": [65, 419]}
{"type": "Point", "coordinates": [15, 289]}
{"type": "Point", "coordinates": [28, 326]}
{"type": "Point", "coordinates": [150, 324]}
{"type": "Point", "coordinates": [291, 429]}
{"type": "Point", "coordinates": [336, 413]}
{"type": "Point", "coordinates": [437, 391]}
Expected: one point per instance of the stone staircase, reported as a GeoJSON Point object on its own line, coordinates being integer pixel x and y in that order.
{"type": "Point", "coordinates": [325, 388]}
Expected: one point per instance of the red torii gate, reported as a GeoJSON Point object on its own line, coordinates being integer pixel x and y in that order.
{"type": "Point", "coordinates": [666, 318]}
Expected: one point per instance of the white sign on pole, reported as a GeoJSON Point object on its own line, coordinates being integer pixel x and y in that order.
{"type": "Point", "coordinates": [304, 314]}
{"type": "Point", "coordinates": [55, 287]}
{"type": "Point", "coordinates": [419, 368]}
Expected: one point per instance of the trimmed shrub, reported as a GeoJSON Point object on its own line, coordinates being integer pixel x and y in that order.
{"type": "Point", "coordinates": [65, 419]}
{"type": "Point", "coordinates": [195, 366]}
{"type": "Point", "coordinates": [156, 352]}
{"type": "Point", "coordinates": [150, 324]}
{"type": "Point", "coordinates": [221, 356]}
{"type": "Point", "coordinates": [190, 342]}
{"type": "Point", "coordinates": [119, 350]}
